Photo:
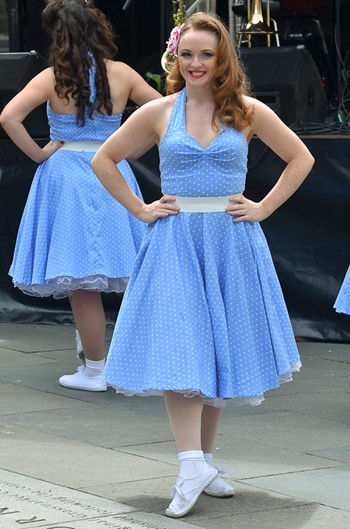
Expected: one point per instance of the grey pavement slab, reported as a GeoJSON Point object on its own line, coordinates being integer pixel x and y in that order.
{"type": "Point", "coordinates": [335, 404]}
{"type": "Point", "coordinates": [74, 464]}
{"type": "Point", "coordinates": [332, 351]}
{"type": "Point", "coordinates": [330, 486]}
{"type": "Point", "coordinates": [40, 376]}
{"type": "Point", "coordinates": [309, 516]}
{"type": "Point", "coordinates": [14, 359]}
{"type": "Point", "coordinates": [98, 425]}
{"type": "Point", "coordinates": [289, 458]}
{"type": "Point", "coordinates": [17, 399]}
{"type": "Point", "coordinates": [282, 429]}
{"type": "Point", "coordinates": [251, 508]}
{"type": "Point", "coordinates": [36, 338]}
{"type": "Point", "coordinates": [244, 460]}
{"type": "Point", "coordinates": [334, 454]}
{"type": "Point", "coordinates": [33, 338]}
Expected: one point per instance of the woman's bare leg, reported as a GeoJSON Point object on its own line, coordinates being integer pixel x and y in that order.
{"type": "Point", "coordinates": [185, 415]}
{"type": "Point", "coordinates": [89, 317]}
{"type": "Point", "coordinates": [210, 421]}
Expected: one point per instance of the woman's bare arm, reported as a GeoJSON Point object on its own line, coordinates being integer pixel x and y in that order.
{"type": "Point", "coordinates": [141, 130]}
{"type": "Point", "coordinates": [288, 146]}
{"type": "Point", "coordinates": [34, 94]}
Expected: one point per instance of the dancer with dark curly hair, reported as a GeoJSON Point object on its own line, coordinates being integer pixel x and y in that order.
{"type": "Point", "coordinates": [74, 239]}
{"type": "Point", "coordinates": [203, 321]}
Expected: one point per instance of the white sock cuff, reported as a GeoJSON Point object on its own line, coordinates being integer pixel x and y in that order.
{"type": "Point", "coordinates": [94, 364]}
{"type": "Point", "coordinates": [191, 454]}
{"type": "Point", "coordinates": [208, 458]}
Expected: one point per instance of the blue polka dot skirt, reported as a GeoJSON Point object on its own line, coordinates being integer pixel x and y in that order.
{"type": "Point", "coordinates": [342, 303]}
{"type": "Point", "coordinates": [203, 313]}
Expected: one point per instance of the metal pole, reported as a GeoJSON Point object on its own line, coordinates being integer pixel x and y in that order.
{"type": "Point", "coordinates": [268, 20]}
{"type": "Point", "coordinates": [13, 25]}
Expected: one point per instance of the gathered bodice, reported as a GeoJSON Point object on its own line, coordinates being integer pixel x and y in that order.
{"type": "Point", "coordinates": [64, 127]}
{"type": "Point", "coordinates": [189, 169]}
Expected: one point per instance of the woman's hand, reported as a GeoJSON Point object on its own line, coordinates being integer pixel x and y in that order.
{"type": "Point", "coordinates": [50, 148]}
{"type": "Point", "coordinates": [246, 210]}
{"type": "Point", "coordinates": [158, 209]}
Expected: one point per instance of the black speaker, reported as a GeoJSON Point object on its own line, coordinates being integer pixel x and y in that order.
{"type": "Point", "coordinates": [287, 80]}
{"type": "Point", "coordinates": [16, 70]}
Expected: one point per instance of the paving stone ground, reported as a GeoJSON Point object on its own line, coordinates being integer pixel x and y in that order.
{"type": "Point", "coordinates": [79, 460]}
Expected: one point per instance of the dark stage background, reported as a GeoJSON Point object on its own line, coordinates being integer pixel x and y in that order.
{"type": "Point", "coordinates": [309, 236]}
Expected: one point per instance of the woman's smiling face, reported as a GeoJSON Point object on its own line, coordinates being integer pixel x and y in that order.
{"type": "Point", "coordinates": [197, 56]}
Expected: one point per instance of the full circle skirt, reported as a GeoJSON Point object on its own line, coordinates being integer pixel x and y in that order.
{"type": "Point", "coordinates": [73, 233]}
{"type": "Point", "coordinates": [203, 314]}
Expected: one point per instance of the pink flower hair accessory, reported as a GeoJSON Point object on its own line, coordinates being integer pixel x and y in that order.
{"type": "Point", "coordinates": [173, 41]}
{"type": "Point", "coordinates": [170, 54]}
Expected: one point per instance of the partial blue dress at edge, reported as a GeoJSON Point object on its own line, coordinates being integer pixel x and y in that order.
{"type": "Point", "coordinates": [203, 313]}
{"type": "Point", "coordinates": [73, 234]}
{"type": "Point", "coordinates": [342, 303]}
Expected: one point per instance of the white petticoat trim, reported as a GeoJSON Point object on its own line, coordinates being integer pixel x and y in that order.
{"type": "Point", "coordinates": [61, 287]}
{"type": "Point", "coordinates": [252, 400]}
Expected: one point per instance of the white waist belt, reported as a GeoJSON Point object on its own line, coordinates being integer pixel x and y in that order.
{"type": "Point", "coordinates": [81, 146]}
{"type": "Point", "coordinates": [203, 204]}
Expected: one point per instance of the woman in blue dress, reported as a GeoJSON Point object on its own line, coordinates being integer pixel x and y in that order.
{"type": "Point", "coordinates": [203, 321]}
{"type": "Point", "coordinates": [342, 303]}
{"type": "Point", "coordinates": [74, 239]}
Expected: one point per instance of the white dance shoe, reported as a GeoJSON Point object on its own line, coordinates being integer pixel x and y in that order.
{"type": "Point", "coordinates": [221, 486]}
{"type": "Point", "coordinates": [82, 381]}
{"type": "Point", "coordinates": [186, 491]}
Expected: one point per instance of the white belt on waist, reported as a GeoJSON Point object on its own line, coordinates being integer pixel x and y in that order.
{"type": "Point", "coordinates": [81, 146]}
{"type": "Point", "coordinates": [203, 204]}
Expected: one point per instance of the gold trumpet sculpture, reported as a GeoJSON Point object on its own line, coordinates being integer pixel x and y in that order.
{"type": "Point", "coordinates": [255, 24]}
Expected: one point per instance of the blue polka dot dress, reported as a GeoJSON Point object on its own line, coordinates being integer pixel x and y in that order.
{"type": "Point", "coordinates": [203, 313]}
{"type": "Point", "coordinates": [342, 303]}
{"type": "Point", "coordinates": [73, 234]}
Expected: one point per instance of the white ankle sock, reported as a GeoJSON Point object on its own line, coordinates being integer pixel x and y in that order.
{"type": "Point", "coordinates": [94, 368]}
{"type": "Point", "coordinates": [191, 463]}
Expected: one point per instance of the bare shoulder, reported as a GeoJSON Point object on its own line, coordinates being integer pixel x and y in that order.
{"type": "Point", "coordinates": [118, 66]}
{"type": "Point", "coordinates": [263, 115]}
{"type": "Point", "coordinates": [47, 73]}
{"type": "Point", "coordinates": [39, 90]}
{"type": "Point", "coordinates": [267, 125]}
{"type": "Point", "coordinates": [165, 103]}
{"type": "Point", "coordinates": [42, 86]}
{"type": "Point", "coordinates": [157, 107]}
{"type": "Point", "coordinates": [121, 70]}
{"type": "Point", "coordinates": [163, 106]}
{"type": "Point", "coordinates": [249, 101]}
{"type": "Point", "coordinates": [45, 76]}
{"type": "Point", "coordinates": [154, 115]}
{"type": "Point", "coordinates": [259, 108]}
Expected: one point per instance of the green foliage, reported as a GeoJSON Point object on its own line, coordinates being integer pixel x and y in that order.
{"type": "Point", "coordinates": [179, 9]}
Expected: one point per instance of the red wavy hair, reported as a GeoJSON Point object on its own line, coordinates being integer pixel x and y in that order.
{"type": "Point", "coordinates": [230, 83]}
